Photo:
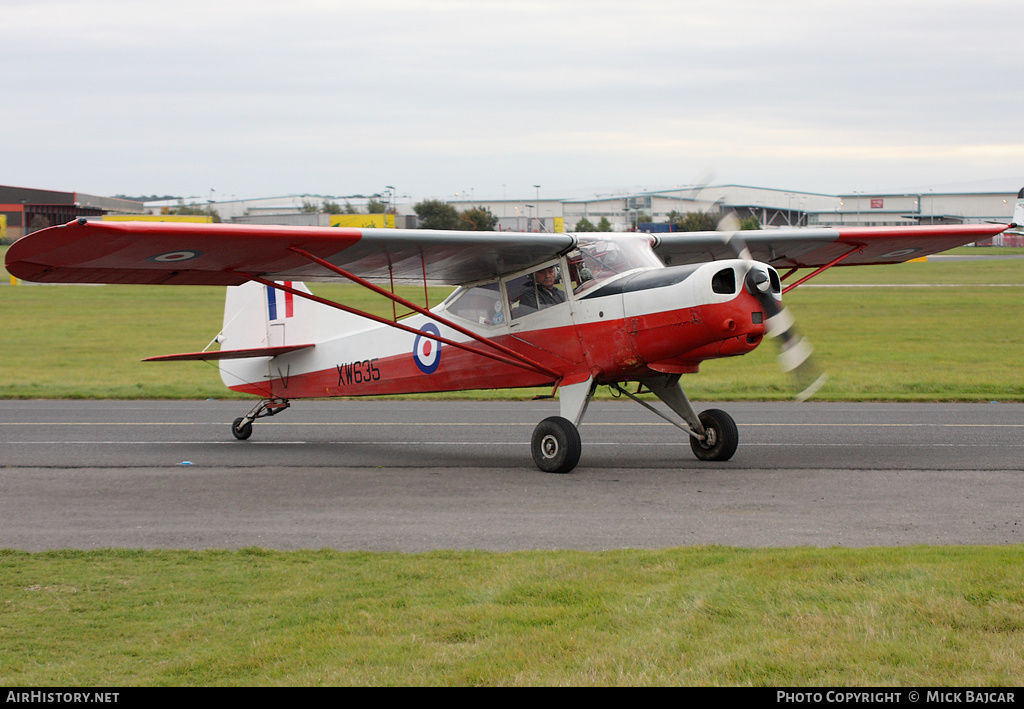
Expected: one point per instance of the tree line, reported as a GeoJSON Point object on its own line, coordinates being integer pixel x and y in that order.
{"type": "Point", "coordinates": [437, 214]}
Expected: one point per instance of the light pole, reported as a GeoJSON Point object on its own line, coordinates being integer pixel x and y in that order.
{"type": "Point", "coordinates": [390, 208]}
{"type": "Point", "coordinates": [537, 187]}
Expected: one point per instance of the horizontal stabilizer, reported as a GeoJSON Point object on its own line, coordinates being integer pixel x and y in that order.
{"type": "Point", "coordinates": [229, 354]}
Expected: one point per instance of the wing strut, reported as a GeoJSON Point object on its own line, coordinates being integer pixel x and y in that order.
{"type": "Point", "coordinates": [830, 264]}
{"type": "Point", "coordinates": [529, 363]}
{"type": "Point", "coordinates": [515, 360]}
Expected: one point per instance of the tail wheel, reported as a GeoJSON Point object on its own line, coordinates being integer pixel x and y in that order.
{"type": "Point", "coordinates": [241, 428]}
{"type": "Point", "coordinates": [722, 436]}
{"type": "Point", "coordinates": [556, 445]}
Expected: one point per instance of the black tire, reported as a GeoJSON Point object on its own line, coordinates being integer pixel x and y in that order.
{"type": "Point", "coordinates": [241, 431]}
{"type": "Point", "coordinates": [722, 436]}
{"type": "Point", "coordinates": [556, 445]}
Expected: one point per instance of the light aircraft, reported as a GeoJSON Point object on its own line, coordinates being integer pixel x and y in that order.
{"type": "Point", "coordinates": [620, 308]}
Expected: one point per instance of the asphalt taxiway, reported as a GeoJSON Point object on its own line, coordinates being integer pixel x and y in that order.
{"type": "Point", "coordinates": [420, 475]}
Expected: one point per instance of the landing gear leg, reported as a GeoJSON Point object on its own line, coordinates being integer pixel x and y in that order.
{"type": "Point", "coordinates": [713, 433]}
{"type": "Point", "coordinates": [242, 426]}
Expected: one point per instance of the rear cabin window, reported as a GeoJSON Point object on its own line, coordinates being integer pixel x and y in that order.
{"type": "Point", "coordinates": [480, 304]}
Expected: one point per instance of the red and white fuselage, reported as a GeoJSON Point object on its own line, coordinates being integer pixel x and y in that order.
{"type": "Point", "coordinates": [629, 325]}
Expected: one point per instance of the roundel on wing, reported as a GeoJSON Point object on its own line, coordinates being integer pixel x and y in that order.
{"type": "Point", "coordinates": [901, 253]}
{"type": "Point", "coordinates": [176, 256]}
{"type": "Point", "coordinates": [427, 352]}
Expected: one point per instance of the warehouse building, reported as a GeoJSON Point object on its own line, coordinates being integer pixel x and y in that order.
{"type": "Point", "coordinates": [24, 210]}
{"type": "Point", "coordinates": [989, 201]}
{"type": "Point", "coordinates": [27, 210]}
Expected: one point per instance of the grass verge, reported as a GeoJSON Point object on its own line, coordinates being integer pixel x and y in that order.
{"type": "Point", "coordinates": [921, 616]}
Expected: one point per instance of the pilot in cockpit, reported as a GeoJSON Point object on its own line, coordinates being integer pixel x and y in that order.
{"type": "Point", "coordinates": [543, 292]}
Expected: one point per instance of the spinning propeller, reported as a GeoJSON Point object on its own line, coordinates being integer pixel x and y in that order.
{"type": "Point", "coordinates": [794, 349]}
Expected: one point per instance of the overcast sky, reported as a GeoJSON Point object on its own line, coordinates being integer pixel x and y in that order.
{"type": "Point", "coordinates": [259, 98]}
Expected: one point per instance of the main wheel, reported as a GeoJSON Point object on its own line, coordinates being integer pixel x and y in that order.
{"type": "Point", "coordinates": [241, 431]}
{"type": "Point", "coordinates": [556, 445]}
{"type": "Point", "coordinates": [722, 436]}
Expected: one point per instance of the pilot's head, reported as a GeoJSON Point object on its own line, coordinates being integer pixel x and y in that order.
{"type": "Point", "coordinates": [546, 277]}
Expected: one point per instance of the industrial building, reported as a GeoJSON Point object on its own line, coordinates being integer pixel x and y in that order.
{"type": "Point", "coordinates": [772, 208]}
{"type": "Point", "coordinates": [988, 201]}
{"type": "Point", "coordinates": [26, 210]}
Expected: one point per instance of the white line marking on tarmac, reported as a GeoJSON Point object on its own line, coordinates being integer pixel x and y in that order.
{"type": "Point", "coordinates": [506, 424]}
{"type": "Point", "coordinates": [499, 443]}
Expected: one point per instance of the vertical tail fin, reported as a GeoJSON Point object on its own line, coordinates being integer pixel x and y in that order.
{"type": "Point", "coordinates": [259, 316]}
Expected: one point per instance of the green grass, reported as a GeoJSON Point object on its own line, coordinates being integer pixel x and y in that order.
{"type": "Point", "coordinates": [987, 250]}
{"type": "Point", "coordinates": [938, 271]}
{"type": "Point", "coordinates": [697, 616]}
{"type": "Point", "coordinates": [896, 344]}
{"type": "Point", "coordinates": [70, 342]}
{"type": "Point", "coordinates": [917, 344]}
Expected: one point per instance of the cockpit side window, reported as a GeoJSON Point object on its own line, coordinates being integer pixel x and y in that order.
{"type": "Point", "coordinates": [536, 291]}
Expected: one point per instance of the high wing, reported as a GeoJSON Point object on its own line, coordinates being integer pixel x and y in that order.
{"type": "Point", "coordinates": [803, 248]}
{"type": "Point", "coordinates": [86, 251]}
